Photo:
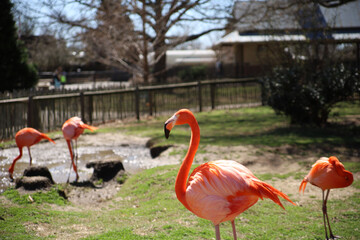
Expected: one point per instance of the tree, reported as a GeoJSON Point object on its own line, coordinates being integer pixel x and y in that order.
{"type": "Point", "coordinates": [16, 73]}
{"type": "Point", "coordinates": [137, 33]}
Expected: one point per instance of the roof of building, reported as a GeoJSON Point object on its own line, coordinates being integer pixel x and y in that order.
{"type": "Point", "coordinates": [284, 15]}
{"type": "Point", "coordinates": [281, 20]}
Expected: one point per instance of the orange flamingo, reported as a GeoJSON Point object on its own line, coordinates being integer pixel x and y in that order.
{"type": "Point", "coordinates": [218, 190]}
{"type": "Point", "coordinates": [72, 129]}
{"type": "Point", "coordinates": [26, 137]}
{"type": "Point", "coordinates": [327, 173]}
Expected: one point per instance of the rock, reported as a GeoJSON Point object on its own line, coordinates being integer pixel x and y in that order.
{"type": "Point", "coordinates": [38, 171]}
{"type": "Point", "coordinates": [33, 183]}
{"type": "Point", "coordinates": [105, 169]}
{"type": "Point", "coordinates": [156, 151]}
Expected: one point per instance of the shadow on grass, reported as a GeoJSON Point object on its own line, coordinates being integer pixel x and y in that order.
{"type": "Point", "coordinates": [305, 138]}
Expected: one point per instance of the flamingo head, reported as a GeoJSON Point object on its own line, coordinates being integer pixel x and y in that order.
{"type": "Point", "coordinates": [182, 116]}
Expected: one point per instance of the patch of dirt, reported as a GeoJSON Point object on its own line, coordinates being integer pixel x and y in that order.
{"type": "Point", "coordinates": [92, 197]}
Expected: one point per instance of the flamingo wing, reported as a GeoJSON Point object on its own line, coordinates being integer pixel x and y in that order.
{"type": "Point", "coordinates": [328, 173]}
{"type": "Point", "coordinates": [221, 190]}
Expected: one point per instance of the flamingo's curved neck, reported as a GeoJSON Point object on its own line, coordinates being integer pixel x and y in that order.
{"type": "Point", "coordinates": [181, 179]}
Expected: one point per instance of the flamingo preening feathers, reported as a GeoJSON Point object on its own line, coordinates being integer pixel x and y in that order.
{"type": "Point", "coordinates": [327, 173]}
{"type": "Point", "coordinates": [26, 137]}
{"type": "Point", "coordinates": [218, 190]}
{"type": "Point", "coordinates": [72, 129]}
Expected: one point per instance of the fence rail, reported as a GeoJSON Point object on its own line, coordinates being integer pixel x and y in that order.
{"type": "Point", "coordinates": [48, 113]}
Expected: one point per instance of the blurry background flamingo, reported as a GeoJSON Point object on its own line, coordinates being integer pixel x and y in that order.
{"type": "Point", "coordinates": [327, 173]}
{"type": "Point", "coordinates": [218, 190]}
{"type": "Point", "coordinates": [27, 137]}
{"type": "Point", "coordinates": [72, 129]}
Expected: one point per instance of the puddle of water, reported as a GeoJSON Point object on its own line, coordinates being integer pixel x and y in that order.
{"type": "Point", "coordinates": [57, 159]}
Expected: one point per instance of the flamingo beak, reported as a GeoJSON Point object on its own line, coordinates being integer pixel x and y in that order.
{"type": "Point", "coordinates": [167, 132]}
{"type": "Point", "coordinates": [169, 124]}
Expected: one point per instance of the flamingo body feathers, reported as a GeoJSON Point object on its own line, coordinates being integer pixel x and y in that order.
{"type": "Point", "coordinates": [74, 127]}
{"type": "Point", "coordinates": [27, 137]}
{"type": "Point", "coordinates": [327, 173]}
{"type": "Point", "coordinates": [221, 190]}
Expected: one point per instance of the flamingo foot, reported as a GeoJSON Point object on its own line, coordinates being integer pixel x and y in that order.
{"type": "Point", "coordinates": [334, 237]}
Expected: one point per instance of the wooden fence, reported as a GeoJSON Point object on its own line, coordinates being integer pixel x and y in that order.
{"type": "Point", "coordinates": [48, 113]}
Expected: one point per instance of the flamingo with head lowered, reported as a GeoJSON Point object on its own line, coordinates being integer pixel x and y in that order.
{"type": "Point", "coordinates": [26, 137]}
{"type": "Point", "coordinates": [72, 129]}
{"type": "Point", "coordinates": [218, 190]}
{"type": "Point", "coordinates": [327, 173]}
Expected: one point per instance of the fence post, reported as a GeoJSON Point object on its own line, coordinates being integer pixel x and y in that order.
{"type": "Point", "coordinates": [199, 95]}
{"type": "Point", "coordinates": [150, 103]}
{"type": "Point", "coordinates": [30, 111]}
{"type": "Point", "coordinates": [90, 108]}
{"type": "Point", "coordinates": [137, 103]}
{"type": "Point", "coordinates": [82, 107]}
{"type": "Point", "coordinates": [212, 95]}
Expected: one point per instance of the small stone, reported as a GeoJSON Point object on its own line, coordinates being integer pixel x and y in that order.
{"type": "Point", "coordinates": [105, 169]}
{"type": "Point", "coordinates": [38, 171]}
{"type": "Point", "coordinates": [156, 151]}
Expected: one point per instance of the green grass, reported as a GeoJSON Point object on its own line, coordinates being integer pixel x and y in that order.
{"type": "Point", "coordinates": [147, 208]}
{"type": "Point", "coordinates": [255, 126]}
{"type": "Point", "coordinates": [52, 196]}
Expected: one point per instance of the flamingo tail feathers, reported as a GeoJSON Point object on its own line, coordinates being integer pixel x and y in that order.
{"type": "Point", "coordinates": [43, 135]}
{"type": "Point", "coordinates": [303, 185]}
{"type": "Point", "coordinates": [267, 191]}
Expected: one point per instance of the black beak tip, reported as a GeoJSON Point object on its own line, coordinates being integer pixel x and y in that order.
{"type": "Point", "coordinates": [167, 132]}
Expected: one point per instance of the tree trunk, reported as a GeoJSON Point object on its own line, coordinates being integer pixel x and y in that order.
{"type": "Point", "coordinates": [160, 66]}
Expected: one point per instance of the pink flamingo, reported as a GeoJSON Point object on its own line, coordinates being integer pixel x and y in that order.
{"type": "Point", "coordinates": [218, 190]}
{"type": "Point", "coordinates": [72, 129]}
{"type": "Point", "coordinates": [26, 137]}
{"type": "Point", "coordinates": [327, 173]}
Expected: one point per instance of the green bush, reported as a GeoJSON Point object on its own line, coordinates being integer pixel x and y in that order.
{"type": "Point", "coordinates": [307, 94]}
{"type": "Point", "coordinates": [193, 73]}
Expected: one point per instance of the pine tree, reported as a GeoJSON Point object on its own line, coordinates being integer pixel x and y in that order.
{"type": "Point", "coordinates": [15, 72]}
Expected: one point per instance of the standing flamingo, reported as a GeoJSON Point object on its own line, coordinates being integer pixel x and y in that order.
{"type": "Point", "coordinates": [72, 129]}
{"type": "Point", "coordinates": [327, 173]}
{"type": "Point", "coordinates": [26, 137]}
{"type": "Point", "coordinates": [218, 190]}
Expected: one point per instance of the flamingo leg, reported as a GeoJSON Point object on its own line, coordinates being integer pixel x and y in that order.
{"type": "Point", "coordinates": [69, 143]}
{"type": "Point", "coordinates": [234, 229]}
{"type": "Point", "coordinates": [332, 236]}
{"type": "Point", "coordinates": [30, 155]}
{"type": "Point", "coordinates": [76, 153]}
{"type": "Point", "coordinates": [11, 169]}
{"type": "Point", "coordinates": [324, 213]}
{"type": "Point", "coordinates": [217, 232]}
{"type": "Point", "coordinates": [76, 160]}
{"type": "Point", "coordinates": [69, 172]}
